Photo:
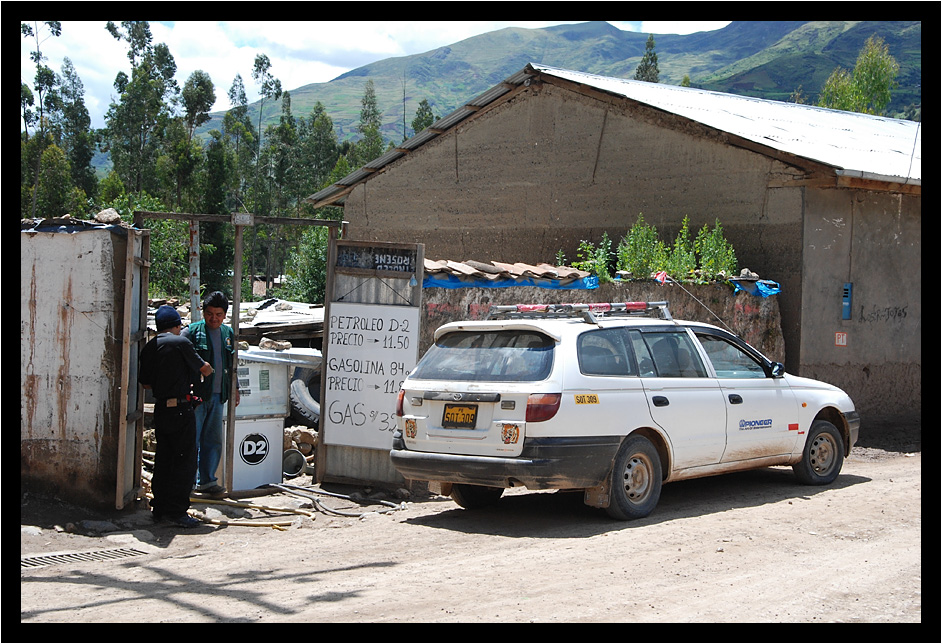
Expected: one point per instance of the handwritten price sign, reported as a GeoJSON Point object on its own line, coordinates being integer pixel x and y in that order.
{"type": "Point", "coordinates": [370, 349]}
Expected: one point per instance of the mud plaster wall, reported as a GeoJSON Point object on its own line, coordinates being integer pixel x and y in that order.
{"type": "Point", "coordinates": [70, 304]}
{"type": "Point", "coordinates": [753, 318]}
{"type": "Point", "coordinates": [551, 167]}
{"type": "Point", "coordinates": [873, 240]}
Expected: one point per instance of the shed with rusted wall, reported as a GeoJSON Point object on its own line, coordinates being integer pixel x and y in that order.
{"type": "Point", "coordinates": [810, 198]}
{"type": "Point", "coordinates": [82, 316]}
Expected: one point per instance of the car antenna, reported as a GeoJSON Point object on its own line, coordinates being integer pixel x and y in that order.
{"type": "Point", "coordinates": [668, 277]}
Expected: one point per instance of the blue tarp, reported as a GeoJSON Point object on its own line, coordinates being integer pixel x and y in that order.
{"type": "Point", "coordinates": [453, 281]}
{"type": "Point", "coordinates": [759, 288]}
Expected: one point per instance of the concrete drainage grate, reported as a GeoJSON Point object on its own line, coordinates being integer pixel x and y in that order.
{"type": "Point", "coordinates": [78, 557]}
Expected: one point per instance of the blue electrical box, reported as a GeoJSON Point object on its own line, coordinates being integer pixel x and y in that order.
{"type": "Point", "coordinates": [846, 300]}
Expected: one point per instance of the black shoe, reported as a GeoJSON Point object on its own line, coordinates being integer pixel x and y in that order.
{"type": "Point", "coordinates": [185, 521]}
{"type": "Point", "coordinates": [157, 517]}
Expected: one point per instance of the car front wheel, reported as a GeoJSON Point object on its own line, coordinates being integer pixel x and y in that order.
{"type": "Point", "coordinates": [823, 456]}
{"type": "Point", "coordinates": [636, 480]}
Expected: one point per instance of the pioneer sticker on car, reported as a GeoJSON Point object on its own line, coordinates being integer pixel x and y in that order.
{"type": "Point", "coordinates": [765, 423]}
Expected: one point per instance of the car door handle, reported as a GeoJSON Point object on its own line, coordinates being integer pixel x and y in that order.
{"type": "Point", "coordinates": [660, 401]}
{"type": "Point", "coordinates": [735, 399]}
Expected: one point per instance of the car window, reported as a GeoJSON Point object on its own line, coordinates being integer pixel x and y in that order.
{"type": "Point", "coordinates": [512, 355]}
{"type": "Point", "coordinates": [605, 353]}
{"type": "Point", "coordinates": [730, 361]}
{"type": "Point", "coordinates": [673, 355]}
{"type": "Point", "coordinates": [645, 361]}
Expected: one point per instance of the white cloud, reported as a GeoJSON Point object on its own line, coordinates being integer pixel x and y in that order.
{"type": "Point", "coordinates": [681, 28]}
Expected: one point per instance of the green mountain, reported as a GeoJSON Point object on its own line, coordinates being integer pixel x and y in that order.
{"type": "Point", "coordinates": [762, 59]}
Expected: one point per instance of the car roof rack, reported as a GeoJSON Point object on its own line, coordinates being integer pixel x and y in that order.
{"type": "Point", "coordinates": [587, 312]}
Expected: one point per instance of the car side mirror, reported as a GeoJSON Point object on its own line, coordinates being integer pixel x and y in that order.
{"type": "Point", "coordinates": [778, 370]}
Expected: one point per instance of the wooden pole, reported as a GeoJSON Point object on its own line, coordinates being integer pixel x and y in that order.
{"type": "Point", "coordinates": [196, 313]}
{"type": "Point", "coordinates": [233, 375]}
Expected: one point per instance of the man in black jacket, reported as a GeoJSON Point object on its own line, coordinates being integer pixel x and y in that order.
{"type": "Point", "coordinates": [169, 365]}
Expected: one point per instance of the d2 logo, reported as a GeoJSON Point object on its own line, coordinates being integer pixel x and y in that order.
{"type": "Point", "coordinates": [254, 449]}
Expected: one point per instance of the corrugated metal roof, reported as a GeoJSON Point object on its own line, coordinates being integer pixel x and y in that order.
{"type": "Point", "coordinates": [862, 145]}
{"type": "Point", "coordinates": [856, 145]}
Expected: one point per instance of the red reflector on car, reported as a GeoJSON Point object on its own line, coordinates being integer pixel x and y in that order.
{"type": "Point", "coordinates": [542, 406]}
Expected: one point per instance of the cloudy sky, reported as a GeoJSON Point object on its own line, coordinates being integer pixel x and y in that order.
{"type": "Point", "coordinates": [301, 52]}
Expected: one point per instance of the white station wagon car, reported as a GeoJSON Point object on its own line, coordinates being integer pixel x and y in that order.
{"type": "Point", "coordinates": [609, 399]}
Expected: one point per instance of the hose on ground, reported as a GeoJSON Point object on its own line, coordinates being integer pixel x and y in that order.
{"type": "Point", "coordinates": [309, 493]}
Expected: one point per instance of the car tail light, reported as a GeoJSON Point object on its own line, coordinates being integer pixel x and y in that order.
{"type": "Point", "coordinates": [542, 406]}
{"type": "Point", "coordinates": [399, 399]}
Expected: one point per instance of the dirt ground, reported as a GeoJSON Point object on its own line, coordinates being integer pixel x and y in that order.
{"type": "Point", "coordinates": [748, 547]}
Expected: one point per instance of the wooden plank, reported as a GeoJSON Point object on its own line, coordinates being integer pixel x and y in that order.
{"type": "Point", "coordinates": [226, 219]}
{"type": "Point", "coordinates": [125, 367]}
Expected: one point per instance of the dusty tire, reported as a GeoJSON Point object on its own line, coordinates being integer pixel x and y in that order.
{"type": "Point", "coordinates": [636, 480]}
{"type": "Point", "coordinates": [304, 391]}
{"type": "Point", "coordinates": [823, 456]}
{"type": "Point", "coordinates": [475, 496]}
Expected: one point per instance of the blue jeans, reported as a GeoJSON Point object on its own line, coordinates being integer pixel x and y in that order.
{"type": "Point", "coordinates": [208, 440]}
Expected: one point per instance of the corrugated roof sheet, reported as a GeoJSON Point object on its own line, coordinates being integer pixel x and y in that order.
{"type": "Point", "coordinates": [862, 145]}
{"type": "Point", "coordinates": [856, 145]}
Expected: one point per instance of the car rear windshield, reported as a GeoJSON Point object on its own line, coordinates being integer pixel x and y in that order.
{"type": "Point", "coordinates": [512, 356]}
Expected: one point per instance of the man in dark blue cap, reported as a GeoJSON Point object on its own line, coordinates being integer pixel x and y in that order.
{"type": "Point", "coordinates": [169, 366]}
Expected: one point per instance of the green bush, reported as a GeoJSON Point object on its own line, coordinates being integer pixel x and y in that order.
{"type": "Point", "coordinates": [717, 257]}
{"type": "Point", "coordinates": [595, 260]}
{"type": "Point", "coordinates": [640, 252]}
{"type": "Point", "coordinates": [682, 260]}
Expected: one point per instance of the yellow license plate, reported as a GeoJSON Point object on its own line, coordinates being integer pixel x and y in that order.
{"type": "Point", "coordinates": [459, 416]}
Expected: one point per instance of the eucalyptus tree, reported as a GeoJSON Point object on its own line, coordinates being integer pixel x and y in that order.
{"type": "Point", "coordinates": [216, 238]}
{"type": "Point", "coordinates": [44, 83]}
{"type": "Point", "coordinates": [144, 106]}
{"type": "Point", "coordinates": [45, 79]}
{"type": "Point", "coordinates": [55, 184]}
{"type": "Point", "coordinates": [868, 87]}
{"type": "Point", "coordinates": [647, 68]}
{"type": "Point", "coordinates": [318, 149]}
{"type": "Point", "coordinates": [199, 96]}
{"type": "Point", "coordinates": [269, 89]}
{"type": "Point", "coordinates": [423, 116]}
{"type": "Point", "coordinates": [75, 134]}
{"type": "Point", "coordinates": [285, 171]}
{"type": "Point", "coordinates": [371, 143]}
{"type": "Point", "coordinates": [238, 130]}
{"type": "Point", "coordinates": [26, 103]}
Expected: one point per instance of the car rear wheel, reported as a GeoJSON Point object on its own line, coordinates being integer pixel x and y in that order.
{"type": "Point", "coordinates": [823, 456]}
{"type": "Point", "coordinates": [475, 496]}
{"type": "Point", "coordinates": [636, 480]}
